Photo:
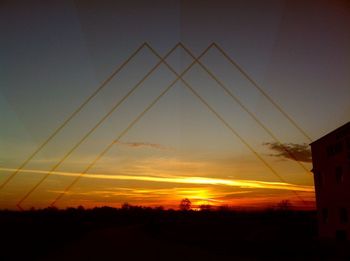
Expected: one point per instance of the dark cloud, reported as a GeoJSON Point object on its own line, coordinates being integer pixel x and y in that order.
{"type": "Point", "coordinates": [144, 145]}
{"type": "Point", "coordinates": [292, 151]}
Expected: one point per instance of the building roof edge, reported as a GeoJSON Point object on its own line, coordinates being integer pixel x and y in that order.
{"type": "Point", "coordinates": [344, 126]}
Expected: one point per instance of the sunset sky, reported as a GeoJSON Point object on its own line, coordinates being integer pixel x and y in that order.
{"type": "Point", "coordinates": [55, 55]}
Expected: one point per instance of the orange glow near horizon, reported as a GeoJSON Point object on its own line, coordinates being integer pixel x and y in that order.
{"type": "Point", "coordinates": [184, 180]}
{"type": "Point", "coordinates": [200, 190]}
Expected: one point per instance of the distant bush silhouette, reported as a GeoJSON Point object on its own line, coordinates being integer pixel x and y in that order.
{"type": "Point", "coordinates": [39, 232]}
{"type": "Point", "coordinates": [185, 204]}
{"type": "Point", "coordinates": [126, 206]}
{"type": "Point", "coordinates": [205, 207]}
{"type": "Point", "coordinates": [224, 208]}
{"type": "Point", "coordinates": [159, 208]}
{"type": "Point", "coordinates": [284, 205]}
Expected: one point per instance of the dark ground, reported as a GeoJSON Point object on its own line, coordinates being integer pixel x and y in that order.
{"type": "Point", "coordinates": [154, 234]}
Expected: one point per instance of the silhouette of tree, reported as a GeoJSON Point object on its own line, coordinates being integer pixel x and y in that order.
{"type": "Point", "coordinates": [284, 205]}
{"type": "Point", "coordinates": [126, 206]}
{"type": "Point", "coordinates": [185, 204]}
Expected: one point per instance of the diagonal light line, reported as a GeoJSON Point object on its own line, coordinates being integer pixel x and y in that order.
{"type": "Point", "coordinates": [221, 118]}
{"type": "Point", "coordinates": [97, 125]}
{"type": "Point", "coordinates": [264, 93]}
{"type": "Point", "coordinates": [86, 101]}
{"type": "Point", "coordinates": [245, 108]}
{"type": "Point", "coordinates": [127, 129]}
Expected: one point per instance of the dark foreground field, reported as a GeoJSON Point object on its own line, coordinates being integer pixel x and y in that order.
{"type": "Point", "coordinates": [154, 234]}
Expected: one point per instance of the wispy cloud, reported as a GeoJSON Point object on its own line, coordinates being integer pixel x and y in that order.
{"type": "Point", "coordinates": [144, 145]}
{"type": "Point", "coordinates": [301, 152]}
{"type": "Point", "coordinates": [170, 197]}
{"type": "Point", "coordinates": [198, 195]}
{"type": "Point", "coordinates": [183, 180]}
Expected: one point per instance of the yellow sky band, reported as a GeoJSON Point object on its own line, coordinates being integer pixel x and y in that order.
{"type": "Point", "coordinates": [183, 180]}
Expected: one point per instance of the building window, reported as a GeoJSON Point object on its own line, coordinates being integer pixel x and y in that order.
{"type": "Point", "coordinates": [325, 215]}
{"type": "Point", "coordinates": [343, 215]}
{"type": "Point", "coordinates": [338, 147]}
{"type": "Point", "coordinates": [334, 149]}
{"type": "Point", "coordinates": [339, 176]}
{"type": "Point", "coordinates": [318, 178]}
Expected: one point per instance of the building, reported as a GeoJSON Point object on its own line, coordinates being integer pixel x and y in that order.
{"type": "Point", "coordinates": [331, 168]}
